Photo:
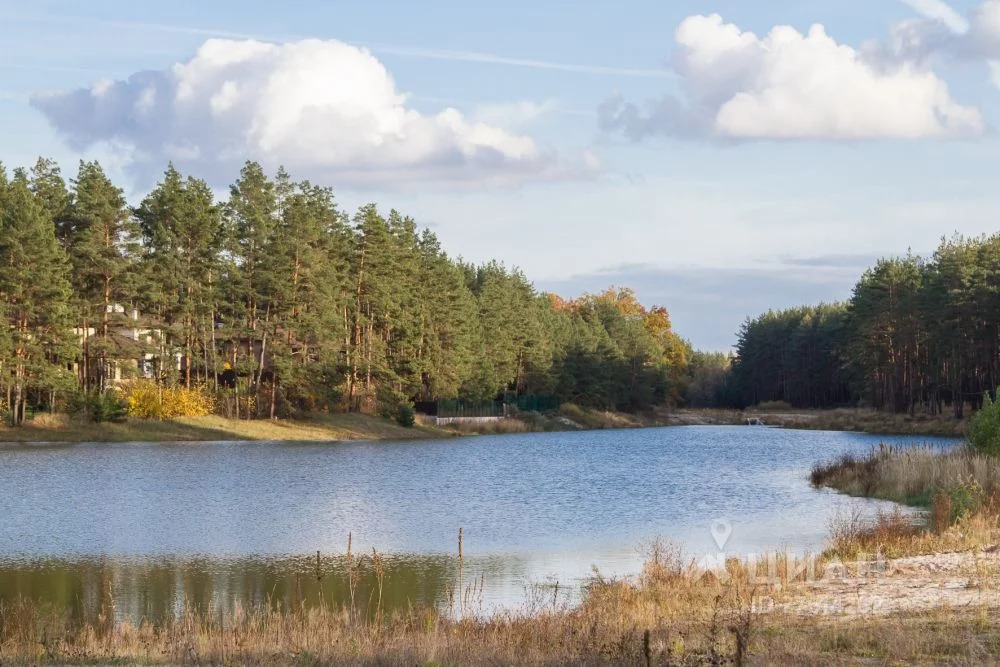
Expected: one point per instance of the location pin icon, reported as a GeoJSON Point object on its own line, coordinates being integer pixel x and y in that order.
{"type": "Point", "coordinates": [721, 530]}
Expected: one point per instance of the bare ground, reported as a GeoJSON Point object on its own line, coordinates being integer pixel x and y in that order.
{"type": "Point", "coordinates": [951, 581]}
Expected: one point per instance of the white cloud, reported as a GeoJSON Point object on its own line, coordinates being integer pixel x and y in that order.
{"type": "Point", "coordinates": [321, 107]}
{"type": "Point", "coordinates": [789, 85]}
{"type": "Point", "coordinates": [984, 35]}
{"type": "Point", "coordinates": [938, 10]}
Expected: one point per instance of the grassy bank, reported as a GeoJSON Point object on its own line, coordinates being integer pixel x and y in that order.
{"type": "Point", "coordinates": [61, 428]}
{"type": "Point", "coordinates": [872, 421]}
{"type": "Point", "coordinates": [958, 488]}
{"type": "Point", "coordinates": [912, 475]}
{"type": "Point", "coordinates": [863, 420]}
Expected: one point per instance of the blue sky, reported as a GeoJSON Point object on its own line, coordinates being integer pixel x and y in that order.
{"type": "Point", "coordinates": [719, 165]}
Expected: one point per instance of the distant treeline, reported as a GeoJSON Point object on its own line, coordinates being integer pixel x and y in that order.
{"type": "Point", "coordinates": [916, 335]}
{"type": "Point", "coordinates": [277, 298]}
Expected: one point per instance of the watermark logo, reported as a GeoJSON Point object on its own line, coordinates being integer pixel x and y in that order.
{"type": "Point", "coordinates": [777, 568]}
{"type": "Point", "coordinates": [722, 530]}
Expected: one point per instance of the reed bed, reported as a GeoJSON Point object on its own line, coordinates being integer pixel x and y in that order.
{"type": "Point", "coordinates": [958, 489]}
{"type": "Point", "coordinates": [909, 475]}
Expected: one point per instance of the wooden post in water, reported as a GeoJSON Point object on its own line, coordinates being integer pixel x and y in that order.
{"type": "Point", "coordinates": [459, 544]}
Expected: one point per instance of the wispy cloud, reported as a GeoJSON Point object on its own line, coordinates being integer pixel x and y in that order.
{"type": "Point", "coordinates": [384, 49]}
{"type": "Point", "coordinates": [940, 11]}
{"type": "Point", "coordinates": [494, 59]}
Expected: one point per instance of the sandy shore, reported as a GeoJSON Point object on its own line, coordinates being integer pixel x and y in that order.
{"type": "Point", "coordinates": [955, 581]}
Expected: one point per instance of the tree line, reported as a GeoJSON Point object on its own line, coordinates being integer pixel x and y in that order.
{"type": "Point", "coordinates": [917, 335]}
{"type": "Point", "coordinates": [279, 302]}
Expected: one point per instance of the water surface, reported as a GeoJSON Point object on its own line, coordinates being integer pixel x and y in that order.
{"type": "Point", "coordinates": [213, 525]}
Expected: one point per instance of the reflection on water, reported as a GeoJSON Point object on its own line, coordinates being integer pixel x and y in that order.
{"type": "Point", "coordinates": [163, 588]}
{"type": "Point", "coordinates": [158, 528]}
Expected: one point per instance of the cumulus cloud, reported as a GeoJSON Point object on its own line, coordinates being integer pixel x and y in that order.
{"type": "Point", "coordinates": [319, 107]}
{"type": "Point", "coordinates": [788, 85]}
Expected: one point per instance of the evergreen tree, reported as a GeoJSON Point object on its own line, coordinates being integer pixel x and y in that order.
{"type": "Point", "coordinates": [38, 341]}
{"type": "Point", "coordinates": [102, 239]}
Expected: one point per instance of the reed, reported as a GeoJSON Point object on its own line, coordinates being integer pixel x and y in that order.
{"type": "Point", "coordinates": [959, 489]}
{"type": "Point", "coordinates": [910, 475]}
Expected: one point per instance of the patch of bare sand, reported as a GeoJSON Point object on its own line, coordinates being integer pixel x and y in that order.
{"type": "Point", "coordinates": [962, 580]}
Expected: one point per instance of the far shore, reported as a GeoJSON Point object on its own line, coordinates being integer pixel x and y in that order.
{"type": "Point", "coordinates": [46, 428]}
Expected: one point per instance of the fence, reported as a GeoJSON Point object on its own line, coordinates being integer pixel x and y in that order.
{"type": "Point", "coordinates": [456, 409]}
{"type": "Point", "coordinates": [463, 409]}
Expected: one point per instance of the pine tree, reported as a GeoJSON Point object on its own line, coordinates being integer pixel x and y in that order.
{"type": "Point", "coordinates": [102, 240]}
{"type": "Point", "coordinates": [182, 235]}
{"type": "Point", "coordinates": [36, 310]}
{"type": "Point", "coordinates": [251, 218]}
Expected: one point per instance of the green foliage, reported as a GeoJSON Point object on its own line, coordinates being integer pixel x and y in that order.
{"type": "Point", "coordinates": [917, 335]}
{"type": "Point", "coordinates": [406, 415]}
{"type": "Point", "coordinates": [36, 338]}
{"type": "Point", "coordinates": [99, 406]}
{"type": "Point", "coordinates": [966, 498]}
{"type": "Point", "coordinates": [275, 302]}
{"type": "Point", "coordinates": [984, 430]}
{"type": "Point", "coordinates": [793, 356]}
{"type": "Point", "coordinates": [108, 406]}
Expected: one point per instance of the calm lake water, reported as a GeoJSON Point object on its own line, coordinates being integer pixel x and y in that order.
{"type": "Point", "coordinates": [161, 527]}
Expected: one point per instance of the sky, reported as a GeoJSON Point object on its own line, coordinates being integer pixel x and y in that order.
{"type": "Point", "coordinates": [720, 158]}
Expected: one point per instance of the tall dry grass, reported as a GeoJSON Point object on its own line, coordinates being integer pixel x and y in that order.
{"type": "Point", "coordinates": [959, 489]}
{"type": "Point", "coordinates": [909, 475]}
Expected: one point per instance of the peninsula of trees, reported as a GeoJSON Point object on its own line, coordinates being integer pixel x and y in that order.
{"type": "Point", "coordinates": [280, 302]}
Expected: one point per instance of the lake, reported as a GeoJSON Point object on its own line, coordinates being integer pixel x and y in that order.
{"type": "Point", "coordinates": [157, 528]}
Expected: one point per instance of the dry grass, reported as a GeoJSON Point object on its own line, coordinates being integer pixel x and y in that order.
{"type": "Point", "coordinates": [839, 419]}
{"type": "Point", "coordinates": [910, 475]}
{"type": "Point", "coordinates": [60, 428]}
{"type": "Point", "coordinates": [959, 488]}
{"type": "Point", "coordinates": [873, 421]}
{"type": "Point", "coordinates": [491, 428]}
{"type": "Point", "coordinates": [590, 418]}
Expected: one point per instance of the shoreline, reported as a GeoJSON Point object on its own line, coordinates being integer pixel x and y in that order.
{"type": "Point", "coordinates": [344, 427]}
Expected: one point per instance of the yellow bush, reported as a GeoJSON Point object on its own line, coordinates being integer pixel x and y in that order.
{"type": "Point", "coordinates": [147, 400]}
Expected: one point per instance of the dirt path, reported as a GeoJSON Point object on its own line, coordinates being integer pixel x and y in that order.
{"type": "Point", "coordinates": [962, 580]}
